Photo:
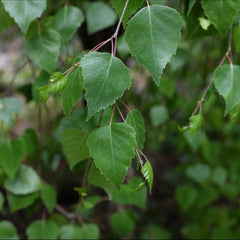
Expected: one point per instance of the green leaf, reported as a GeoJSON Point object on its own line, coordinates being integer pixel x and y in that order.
{"type": "Point", "coordinates": [122, 47]}
{"type": "Point", "coordinates": [147, 172]}
{"type": "Point", "coordinates": [158, 115]}
{"type": "Point", "coordinates": [190, 5]}
{"type": "Point", "coordinates": [49, 197]}
{"type": "Point", "coordinates": [221, 13]}
{"type": "Point", "coordinates": [57, 84]}
{"type": "Point", "coordinates": [75, 146]}
{"type": "Point", "coordinates": [112, 148]}
{"type": "Point", "coordinates": [99, 16]}
{"type": "Point", "coordinates": [234, 114]}
{"type": "Point", "coordinates": [122, 223]}
{"type": "Point", "coordinates": [41, 81]}
{"type": "Point", "coordinates": [17, 202]}
{"type": "Point", "coordinates": [87, 231]}
{"type": "Point", "coordinates": [235, 36]}
{"type": "Point", "coordinates": [200, 173]}
{"type": "Point", "coordinates": [6, 20]}
{"type": "Point", "coordinates": [186, 196]}
{"type": "Point", "coordinates": [206, 195]}
{"type": "Point", "coordinates": [226, 80]}
{"type": "Point", "coordinates": [126, 196]}
{"type": "Point", "coordinates": [132, 7]}
{"type": "Point", "coordinates": [194, 125]}
{"type": "Point", "coordinates": [219, 176]}
{"type": "Point", "coordinates": [103, 86]}
{"type": "Point", "coordinates": [154, 232]}
{"type": "Point", "coordinates": [11, 156]}
{"type": "Point", "coordinates": [26, 181]}
{"type": "Point", "coordinates": [7, 230]}
{"type": "Point", "coordinates": [66, 21]}
{"type": "Point", "coordinates": [1, 201]}
{"type": "Point", "coordinates": [9, 108]}
{"type": "Point", "coordinates": [96, 178]}
{"type": "Point", "coordinates": [72, 91]}
{"type": "Point", "coordinates": [139, 187]}
{"type": "Point", "coordinates": [30, 140]}
{"type": "Point", "coordinates": [158, 27]}
{"type": "Point", "coordinates": [44, 48]}
{"type": "Point", "coordinates": [41, 229]}
{"type": "Point", "coordinates": [24, 11]}
{"type": "Point", "coordinates": [135, 119]}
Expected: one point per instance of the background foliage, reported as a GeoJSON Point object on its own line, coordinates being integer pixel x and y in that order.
{"type": "Point", "coordinates": [49, 189]}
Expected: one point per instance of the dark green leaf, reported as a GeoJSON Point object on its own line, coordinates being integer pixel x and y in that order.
{"type": "Point", "coordinates": [17, 202]}
{"type": "Point", "coordinates": [1, 201]}
{"type": "Point", "coordinates": [74, 145]}
{"type": "Point", "coordinates": [7, 230]}
{"type": "Point", "coordinates": [99, 16]}
{"type": "Point", "coordinates": [6, 20]}
{"type": "Point", "coordinates": [41, 229]}
{"type": "Point", "coordinates": [72, 91]}
{"type": "Point", "coordinates": [126, 196]}
{"type": "Point", "coordinates": [103, 86]}
{"type": "Point", "coordinates": [221, 13]}
{"type": "Point", "coordinates": [132, 7]}
{"type": "Point", "coordinates": [11, 154]}
{"type": "Point", "coordinates": [135, 119]}
{"type": "Point", "coordinates": [24, 11]}
{"type": "Point", "coordinates": [226, 80]}
{"type": "Point", "coordinates": [158, 27]}
{"type": "Point", "coordinates": [96, 178]}
{"type": "Point", "coordinates": [66, 21]}
{"type": "Point", "coordinates": [26, 181]}
{"type": "Point", "coordinates": [122, 223]}
{"type": "Point", "coordinates": [44, 48]}
{"type": "Point", "coordinates": [49, 197]}
{"type": "Point", "coordinates": [186, 196]}
{"type": "Point", "coordinates": [158, 115]}
{"type": "Point", "coordinates": [112, 148]}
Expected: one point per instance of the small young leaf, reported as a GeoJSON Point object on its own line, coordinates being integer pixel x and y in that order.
{"type": "Point", "coordinates": [24, 11]}
{"type": "Point", "coordinates": [57, 83]}
{"type": "Point", "coordinates": [74, 145]}
{"type": "Point", "coordinates": [26, 181]}
{"type": "Point", "coordinates": [41, 229]}
{"type": "Point", "coordinates": [49, 197]}
{"type": "Point", "coordinates": [11, 156]}
{"type": "Point", "coordinates": [147, 172]}
{"type": "Point", "coordinates": [7, 230]}
{"type": "Point", "coordinates": [222, 13]}
{"type": "Point", "coordinates": [135, 119]}
{"type": "Point", "coordinates": [72, 91]}
{"type": "Point", "coordinates": [99, 16]}
{"type": "Point", "coordinates": [122, 223]}
{"type": "Point", "coordinates": [66, 21]}
{"type": "Point", "coordinates": [87, 231]}
{"type": "Point", "coordinates": [44, 48]}
{"type": "Point", "coordinates": [17, 202]}
{"type": "Point", "coordinates": [112, 148]}
{"type": "Point", "coordinates": [132, 7]}
{"type": "Point", "coordinates": [139, 187]}
{"type": "Point", "coordinates": [226, 79]}
{"type": "Point", "coordinates": [103, 86]}
{"type": "Point", "coordinates": [158, 27]}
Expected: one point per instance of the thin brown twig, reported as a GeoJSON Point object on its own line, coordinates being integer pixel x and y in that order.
{"type": "Point", "coordinates": [125, 105]}
{"type": "Point", "coordinates": [124, 120]}
{"type": "Point", "coordinates": [110, 123]}
{"type": "Point", "coordinates": [84, 181]}
{"type": "Point", "coordinates": [139, 158]}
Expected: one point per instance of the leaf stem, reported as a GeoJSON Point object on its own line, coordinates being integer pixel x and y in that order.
{"type": "Point", "coordinates": [115, 35]}
{"type": "Point", "coordinates": [139, 158]}
{"type": "Point", "coordinates": [110, 123]}
{"type": "Point", "coordinates": [124, 120]}
{"type": "Point", "coordinates": [147, 3]}
{"type": "Point", "coordinates": [125, 105]}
